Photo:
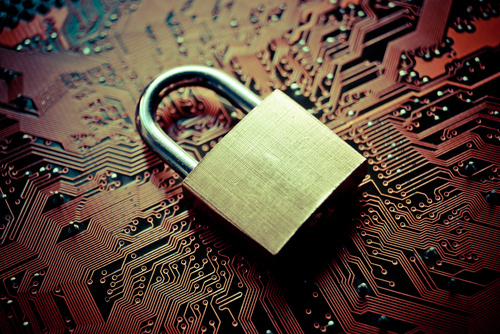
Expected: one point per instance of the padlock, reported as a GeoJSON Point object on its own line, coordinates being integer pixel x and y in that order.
{"type": "Point", "coordinates": [268, 176]}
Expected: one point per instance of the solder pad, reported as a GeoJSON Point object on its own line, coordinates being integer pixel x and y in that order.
{"type": "Point", "coordinates": [95, 235]}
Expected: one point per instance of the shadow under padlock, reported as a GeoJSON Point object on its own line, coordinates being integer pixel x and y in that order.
{"type": "Point", "coordinates": [273, 179]}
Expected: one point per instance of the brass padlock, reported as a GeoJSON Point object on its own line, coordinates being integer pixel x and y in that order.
{"type": "Point", "coordinates": [269, 175]}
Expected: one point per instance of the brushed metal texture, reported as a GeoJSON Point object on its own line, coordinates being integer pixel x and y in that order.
{"type": "Point", "coordinates": [272, 171]}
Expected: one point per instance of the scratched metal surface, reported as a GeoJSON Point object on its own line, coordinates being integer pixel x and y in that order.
{"type": "Point", "coordinates": [95, 235]}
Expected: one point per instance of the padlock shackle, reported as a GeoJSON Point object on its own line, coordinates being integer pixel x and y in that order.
{"type": "Point", "coordinates": [183, 76]}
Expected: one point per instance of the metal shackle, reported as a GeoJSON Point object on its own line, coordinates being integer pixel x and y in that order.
{"type": "Point", "coordinates": [183, 76]}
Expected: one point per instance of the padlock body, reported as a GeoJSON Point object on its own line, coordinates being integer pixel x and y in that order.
{"type": "Point", "coordinates": [269, 175]}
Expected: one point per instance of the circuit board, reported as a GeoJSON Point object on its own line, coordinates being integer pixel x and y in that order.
{"type": "Point", "coordinates": [96, 237]}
